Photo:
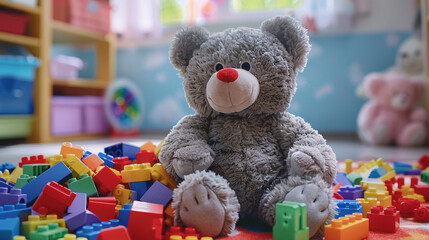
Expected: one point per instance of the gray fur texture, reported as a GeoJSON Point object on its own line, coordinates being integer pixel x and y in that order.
{"type": "Point", "coordinates": [258, 155]}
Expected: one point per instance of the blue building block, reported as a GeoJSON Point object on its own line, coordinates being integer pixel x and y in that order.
{"type": "Point", "coordinates": [57, 173]}
{"type": "Point", "coordinates": [12, 211]}
{"type": "Point", "coordinates": [374, 173]}
{"type": "Point", "coordinates": [76, 220]}
{"type": "Point", "coordinates": [347, 207]}
{"type": "Point", "coordinates": [6, 185]}
{"type": "Point", "coordinates": [108, 159]}
{"type": "Point", "coordinates": [15, 196]}
{"type": "Point", "coordinates": [9, 228]}
{"type": "Point", "coordinates": [158, 193]}
{"type": "Point", "coordinates": [85, 155]}
{"type": "Point", "coordinates": [124, 214]}
{"type": "Point", "coordinates": [91, 232]}
{"type": "Point", "coordinates": [401, 167]}
{"type": "Point", "coordinates": [381, 171]}
{"type": "Point", "coordinates": [8, 166]}
{"type": "Point", "coordinates": [351, 192]}
{"type": "Point", "coordinates": [341, 178]}
{"type": "Point", "coordinates": [122, 150]}
{"type": "Point", "coordinates": [412, 172]}
{"type": "Point", "coordinates": [140, 187]}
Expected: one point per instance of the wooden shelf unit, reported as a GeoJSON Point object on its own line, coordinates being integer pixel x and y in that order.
{"type": "Point", "coordinates": [43, 32]}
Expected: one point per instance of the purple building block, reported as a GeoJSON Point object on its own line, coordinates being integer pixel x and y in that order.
{"type": "Point", "coordinates": [412, 172]}
{"type": "Point", "coordinates": [78, 204]}
{"type": "Point", "coordinates": [6, 185]}
{"type": "Point", "coordinates": [351, 192]}
{"type": "Point", "coordinates": [140, 187]}
{"type": "Point", "coordinates": [158, 193]}
{"type": "Point", "coordinates": [76, 220]}
{"type": "Point", "coordinates": [341, 178]}
{"type": "Point", "coordinates": [15, 196]}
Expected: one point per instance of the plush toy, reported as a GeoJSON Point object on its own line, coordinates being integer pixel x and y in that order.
{"type": "Point", "coordinates": [391, 116]}
{"type": "Point", "coordinates": [241, 153]}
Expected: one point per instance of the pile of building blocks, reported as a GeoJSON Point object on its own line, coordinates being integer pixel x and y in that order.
{"type": "Point", "coordinates": [121, 193]}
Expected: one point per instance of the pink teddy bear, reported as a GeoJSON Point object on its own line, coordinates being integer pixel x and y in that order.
{"type": "Point", "coordinates": [391, 115]}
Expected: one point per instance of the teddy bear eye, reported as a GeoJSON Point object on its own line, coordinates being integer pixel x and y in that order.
{"type": "Point", "coordinates": [218, 67]}
{"type": "Point", "coordinates": [245, 66]}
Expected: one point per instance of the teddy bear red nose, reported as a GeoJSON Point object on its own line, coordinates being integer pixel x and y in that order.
{"type": "Point", "coordinates": [227, 75]}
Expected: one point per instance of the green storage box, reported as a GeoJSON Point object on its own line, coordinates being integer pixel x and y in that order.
{"type": "Point", "coordinates": [15, 126]}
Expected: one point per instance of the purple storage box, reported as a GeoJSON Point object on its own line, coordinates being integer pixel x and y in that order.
{"type": "Point", "coordinates": [95, 120]}
{"type": "Point", "coordinates": [66, 115]}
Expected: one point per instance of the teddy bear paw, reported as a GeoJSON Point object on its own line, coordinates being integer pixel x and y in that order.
{"type": "Point", "coordinates": [317, 202]}
{"type": "Point", "coordinates": [202, 210]}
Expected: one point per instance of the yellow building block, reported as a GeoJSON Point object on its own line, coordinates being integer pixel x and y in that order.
{"type": "Point", "coordinates": [122, 194]}
{"type": "Point", "coordinates": [385, 201]}
{"type": "Point", "coordinates": [34, 220]}
{"type": "Point", "coordinates": [379, 186]}
{"type": "Point", "coordinates": [19, 238]}
{"type": "Point", "coordinates": [15, 175]}
{"type": "Point", "coordinates": [5, 175]}
{"type": "Point", "coordinates": [69, 148]}
{"type": "Point", "coordinates": [149, 146]}
{"type": "Point", "coordinates": [136, 173]}
{"type": "Point", "coordinates": [350, 227]}
{"type": "Point", "coordinates": [348, 166]}
{"type": "Point", "coordinates": [169, 215]}
{"type": "Point", "coordinates": [419, 197]}
{"type": "Point", "coordinates": [177, 237]}
{"type": "Point", "coordinates": [77, 167]}
{"type": "Point", "coordinates": [72, 237]}
{"type": "Point", "coordinates": [52, 160]}
{"type": "Point", "coordinates": [389, 175]}
{"type": "Point", "coordinates": [379, 162]}
{"type": "Point", "coordinates": [387, 167]}
{"type": "Point", "coordinates": [368, 204]}
{"type": "Point", "coordinates": [158, 148]}
{"type": "Point", "coordinates": [159, 174]}
{"type": "Point", "coordinates": [407, 190]}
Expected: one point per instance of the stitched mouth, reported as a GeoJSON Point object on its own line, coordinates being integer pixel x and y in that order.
{"type": "Point", "coordinates": [232, 105]}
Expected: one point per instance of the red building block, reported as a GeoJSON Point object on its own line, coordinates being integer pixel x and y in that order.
{"type": "Point", "coordinates": [120, 162]}
{"type": "Point", "coordinates": [422, 190]}
{"type": "Point", "coordinates": [414, 181]}
{"type": "Point", "coordinates": [424, 162]}
{"type": "Point", "coordinates": [146, 156]}
{"type": "Point", "coordinates": [39, 159]}
{"type": "Point", "coordinates": [105, 180]}
{"type": "Point", "coordinates": [54, 200]}
{"type": "Point", "coordinates": [406, 206]}
{"type": "Point", "coordinates": [396, 195]}
{"type": "Point", "coordinates": [176, 230]}
{"type": "Point", "coordinates": [114, 233]}
{"type": "Point", "coordinates": [103, 207]}
{"type": "Point", "coordinates": [143, 223]}
{"type": "Point", "coordinates": [389, 186]}
{"type": "Point", "coordinates": [421, 214]}
{"type": "Point", "coordinates": [383, 221]}
{"type": "Point", "coordinates": [400, 181]}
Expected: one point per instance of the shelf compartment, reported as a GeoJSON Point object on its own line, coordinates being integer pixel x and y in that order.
{"type": "Point", "coordinates": [20, 7]}
{"type": "Point", "coordinates": [79, 137]}
{"type": "Point", "coordinates": [19, 39]}
{"type": "Point", "coordinates": [67, 33]}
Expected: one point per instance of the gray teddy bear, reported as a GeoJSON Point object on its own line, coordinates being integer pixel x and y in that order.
{"type": "Point", "coordinates": [241, 153]}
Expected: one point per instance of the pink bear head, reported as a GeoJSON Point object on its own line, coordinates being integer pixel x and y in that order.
{"type": "Point", "coordinates": [396, 91]}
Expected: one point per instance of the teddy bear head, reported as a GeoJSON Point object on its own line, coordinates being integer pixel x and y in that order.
{"type": "Point", "coordinates": [241, 71]}
{"type": "Point", "coordinates": [410, 56]}
{"type": "Point", "coordinates": [396, 91]}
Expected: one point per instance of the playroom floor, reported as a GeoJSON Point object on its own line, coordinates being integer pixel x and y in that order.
{"type": "Point", "coordinates": [345, 146]}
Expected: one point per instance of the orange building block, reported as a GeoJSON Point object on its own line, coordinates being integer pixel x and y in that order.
{"type": "Point", "coordinates": [169, 215]}
{"type": "Point", "coordinates": [350, 227]}
{"type": "Point", "coordinates": [93, 162]}
{"type": "Point", "coordinates": [148, 146]}
{"type": "Point", "coordinates": [69, 148]}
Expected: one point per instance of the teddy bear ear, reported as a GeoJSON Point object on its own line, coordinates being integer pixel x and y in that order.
{"type": "Point", "coordinates": [185, 42]}
{"type": "Point", "coordinates": [374, 82]}
{"type": "Point", "coordinates": [292, 35]}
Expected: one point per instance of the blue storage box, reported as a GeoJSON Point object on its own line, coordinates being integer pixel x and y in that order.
{"type": "Point", "coordinates": [16, 84]}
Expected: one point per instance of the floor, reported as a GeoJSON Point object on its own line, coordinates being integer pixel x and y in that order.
{"type": "Point", "coordinates": [345, 146]}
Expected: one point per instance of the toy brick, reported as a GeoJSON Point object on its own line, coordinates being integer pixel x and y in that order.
{"type": "Point", "coordinates": [388, 175]}
{"type": "Point", "coordinates": [105, 180]}
{"type": "Point", "coordinates": [124, 214]}
{"type": "Point", "coordinates": [54, 200]}
{"type": "Point", "coordinates": [78, 167]}
{"type": "Point", "coordinates": [78, 204]}
{"type": "Point", "coordinates": [396, 195]}
{"type": "Point", "coordinates": [11, 211]}
{"type": "Point", "coordinates": [3, 183]}
{"type": "Point", "coordinates": [374, 174]}
{"type": "Point", "coordinates": [414, 181]}
{"type": "Point", "coordinates": [7, 166]}
{"type": "Point", "coordinates": [416, 196]}
{"type": "Point", "coordinates": [421, 214]}
{"type": "Point", "coordinates": [76, 220]}
{"type": "Point", "coordinates": [381, 171]}
{"type": "Point", "coordinates": [350, 227]}
{"type": "Point", "coordinates": [386, 220]}
{"type": "Point", "coordinates": [93, 161]}
{"type": "Point", "coordinates": [412, 172]}
{"type": "Point", "coordinates": [136, 173]}
{"type": "Point", "coordinates": [33, 221]}
{"type": "Point", "coordinates": [169, 215]}
{"type": "Point", "coordinates": [367, 204]}
{"type": "Point", "coordinates": [347, 207]}
{"type": "Point", "coordinates": [122, 194]}
{"type": "Point", "coordinates": [9, 227]}
{"type": "Point", "coordinates": [400, 181]}
{"type": "Point", "coordinates": [55, 159]}
{"type": "Point", "coordinates": [406, 206]}
{"type": "Point", "coordinates": [158, 193]}
{"type": "Point", "coordinates": [407, 190]}
{"type": "Point", "coordinates": [114, 233]}
{"type": "Point", "coordinates": [23, 180]}
{"type": "Point", "coordinates": [32, 160]}
{"type": "Point", "coordinates": [15, 175]}
{"type": "Point", "coordinates": [69, 148]}
{"type": "Point", "coordinates": [423, 161]}
{"type": "Point", "coordinates": [140, 187]}
{"type": "Point", "coordinates": [85, 184]}
{"type": "Point", "coordinates": [18, 237]}
{"type": "Point", "coordinates": [120, 163]}
{"type": "Point", "coordinates": [389, 186]}
{"type": "Point", "coordinates": [351, 192]}
{"type": "Point", "coordinates": [159, 174]}
{"type": "Point", "coordinates": [92, 231]}
{"type": "Point", "coordinates": [5, 175]}
{"type": "Point", "coordinates": [146, 156]}
{"type": "Point", "coordinates": [71, 237]}
{"type": "Point", "coordinates": [158, 148]}
{"type": "Point", "coordinates": [107, 159]}
{"type": "Point", "coordinates": [34, 169]}
{"type": "Point", "coordinates": [50, 231]}
{"type": "Point", "coordinates": [341, 178]}
{"type": "Point", "coordinates": [354, 178]}
{"type": "Point", "coordinates": [122, 150]}
{"type": "Point", "coordinates": [15, 196]}
{"type": "Point", "coordinates": [103, 208]}
{"type": "Point", "coordinates": [422, 190]}
{"type": "Point", "coordinates": [178, 231]}
{"type": "Point", "coordinates": [348, 163]}
{"type": "Point", "coordinates": [143, 212]}
{"type": "Point", "coordinates": [291, 221]}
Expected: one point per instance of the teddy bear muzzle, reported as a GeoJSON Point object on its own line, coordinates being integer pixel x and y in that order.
{"type": "Point", "coordinates": [232, 90]}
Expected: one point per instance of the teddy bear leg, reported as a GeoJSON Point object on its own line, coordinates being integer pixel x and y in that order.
{"type": "Point", "coordinates": [205, 202]}
{"type": "Point", "coordinates": [316, 194]}
{"type": "Point", "coordinates": [414, 134]}
{"type": "Point", "coordinates": [382, 132]}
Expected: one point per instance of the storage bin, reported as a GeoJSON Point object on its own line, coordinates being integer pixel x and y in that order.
{"type": "Point", "coordinates": [66, 115]}
{"type": "Point", "coordinates": [65, 67]}
{"type": "Point", "coordinates": [95, 120]}
{"type": "Point", "coordinates": [31, 3]}
{"type": "Point", "coordinates": [13, 22]}
{"type": "Point", "coordinates": [16, 84]}
{"type": "Point", "coordinates": [90, 14]}
{"type": "Point", "coordinates": [15, 126]}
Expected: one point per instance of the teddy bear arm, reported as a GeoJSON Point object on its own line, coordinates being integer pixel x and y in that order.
{"type": "Point", "coordinates": [186, 147]}
{"type": "Point", "coordinates": [419, 114]}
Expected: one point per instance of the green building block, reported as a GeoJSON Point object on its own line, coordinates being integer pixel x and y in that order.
{"type": "Point", "coordinates": [291, 221]}
{"type": "Point", "coordinates": [354, 178]}
{"type": "Point", "coordinates": [424, 177]}
{"type": "Point", "coordinates": [34, 169]}
{"type": "Point", "coordinates": [85, 184]}
{"type": "Point", "coordinates": [48, 232]}
{"type": "Point", "coordinates": [23, 180]}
